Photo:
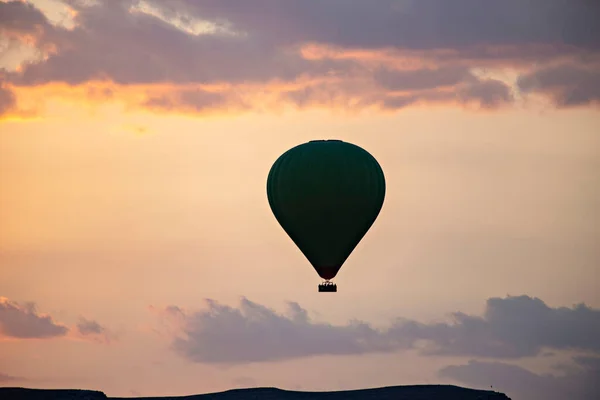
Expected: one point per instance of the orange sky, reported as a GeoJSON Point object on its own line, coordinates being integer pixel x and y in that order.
{"type": "Point", "coordinates": [112, 210]}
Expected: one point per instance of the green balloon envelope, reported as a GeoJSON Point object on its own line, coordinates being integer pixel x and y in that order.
{"type": "Point", "coordinates": [326, 194]}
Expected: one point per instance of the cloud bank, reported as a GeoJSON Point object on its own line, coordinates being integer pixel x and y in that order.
{"type": "Point", "coordinates": [237, 55]}
{"type": "Point", "coordinates": [511, 328]}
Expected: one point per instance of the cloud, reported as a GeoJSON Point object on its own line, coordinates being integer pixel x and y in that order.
{"type": "Point", "coordinates": [7, 100]}
{"type": "Point", "coordinates": [89, 327]}
{"type": "Point", "coordinates": [141, 48]}
{"type": "Point", "coordinates": [254, 333]}
{"type": "Point", "coordinates": [195, 100]}
{"type": "Point", "coordinates": [402, 80]}
{"type": "Point", "coordinates": [24, 322]}
{"type": "Point", "coordinates": [580, 382]}
{"type": "Point", "coordinates": [489, 93]}
{"type": "Point", "coordinates": [349, 94]}
{"type": "Point", "coordinates": [365, 52]}
{"type": "Point", "coordinates": [410, 24]}
{"type": "Point", "coordinates": [394, 89]}
{"type": "Point", "coordinates": [511, 327]}
{"type": "Point", "coordinates": [93, 330]}
{"type": "Point", "coordinates": [21, 18]}
{"type": "Point", "coordinates": [567, 84]}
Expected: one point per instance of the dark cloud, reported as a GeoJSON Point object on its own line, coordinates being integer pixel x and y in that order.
{"type": "Point", "coordinates": [567, 84]}
{"type": "Point", "coordinates": [260, 42]}
{"type": "Point", "coordinates": [23, 321]}
{"type": "Point", "coordinates": [579, 382]}
{"type": "Point", "coordinates": [21, 18]}
{"type": "Point", "coordinates": [412, 24]}
{"type": "Point", "coordinates": [489, 93]}
{"type": "Point", "coordinates": [21, 21]}
{"type": "Point", "coordinates": [511, 327]}
{"type": "Point", "coordinates": [141, 48]}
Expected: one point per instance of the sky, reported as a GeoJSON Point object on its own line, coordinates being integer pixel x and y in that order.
{"type": "Point", "coordinates": [138, 252]}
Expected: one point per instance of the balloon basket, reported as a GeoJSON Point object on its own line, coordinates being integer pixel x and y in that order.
{"type": "Point", "coordinates": [328, 287]}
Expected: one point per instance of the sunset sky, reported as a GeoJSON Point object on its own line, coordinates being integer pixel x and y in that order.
{"type": "Point", "coordinates": [138, 252]}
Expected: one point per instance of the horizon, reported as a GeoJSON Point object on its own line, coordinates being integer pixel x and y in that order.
{"type": "Point", "coordinates": [273, 388]}
{"type": "Point", "coordinates": [139, 255]}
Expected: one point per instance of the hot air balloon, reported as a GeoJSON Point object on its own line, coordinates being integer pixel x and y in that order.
{"type": "Point", "coordinates": [326, 194]}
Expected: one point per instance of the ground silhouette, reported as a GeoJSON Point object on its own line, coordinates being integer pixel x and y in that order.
{"type": "Point", "coordinates": [417, 392]}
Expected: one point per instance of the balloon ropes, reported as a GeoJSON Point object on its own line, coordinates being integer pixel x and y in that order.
{"type": "Point", "coordinates": [326, 194]}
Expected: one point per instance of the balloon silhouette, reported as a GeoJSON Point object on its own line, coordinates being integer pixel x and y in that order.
{"type": "Point", "coordinates": [326, 194]}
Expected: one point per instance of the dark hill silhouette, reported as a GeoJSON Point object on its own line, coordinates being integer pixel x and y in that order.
{"type": "Point", "coordinates": [417, 392]}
